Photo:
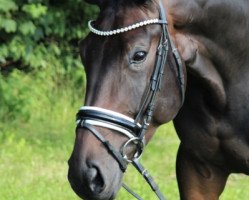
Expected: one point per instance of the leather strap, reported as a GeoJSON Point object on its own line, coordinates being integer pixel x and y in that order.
{"type": "Point", "coordinates": [116, 155]}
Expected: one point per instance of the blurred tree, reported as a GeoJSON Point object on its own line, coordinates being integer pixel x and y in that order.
{"type": "Point", "coordinates": [41, 33]}
{"type": "Point", "coordinates": [39, 53]}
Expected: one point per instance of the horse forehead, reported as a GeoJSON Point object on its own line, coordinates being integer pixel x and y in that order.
{"type": "Point", "coordinates": [131, 15]}
{"type": "Point", "coordinates": [124, 16]}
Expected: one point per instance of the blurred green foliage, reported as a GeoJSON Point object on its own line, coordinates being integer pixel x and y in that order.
{"type": "Point", "coordinates": [41, 34]}
{"type": "Point", "coordinates": [39, 52]}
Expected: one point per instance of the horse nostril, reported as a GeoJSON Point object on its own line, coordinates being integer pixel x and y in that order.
{"type": "Point", "coordinates": [95, 180]}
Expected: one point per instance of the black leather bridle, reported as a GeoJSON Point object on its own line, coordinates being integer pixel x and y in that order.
{"type": "Point", "coordinates": [90, 117]}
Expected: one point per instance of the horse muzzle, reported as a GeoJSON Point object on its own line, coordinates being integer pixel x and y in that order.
{"type": "Point", "coordinates": [93, 156]}
{"type": "Point", "coordinates": [92, 181]}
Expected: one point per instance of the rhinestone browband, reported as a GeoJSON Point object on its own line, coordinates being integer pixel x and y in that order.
{"type": "Point", "coordinates": [124, 29]}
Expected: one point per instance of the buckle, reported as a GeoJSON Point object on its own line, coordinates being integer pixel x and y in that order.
{"type": "Point", "coordinates": [139, 149]}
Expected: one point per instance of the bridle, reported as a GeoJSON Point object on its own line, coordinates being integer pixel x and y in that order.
{"type": "Point", "coordinates": [90, 117]}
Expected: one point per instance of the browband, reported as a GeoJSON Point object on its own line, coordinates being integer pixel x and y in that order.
{"type": "Point", "coordinates": [124, 29]}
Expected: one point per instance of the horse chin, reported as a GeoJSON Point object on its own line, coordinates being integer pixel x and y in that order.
{"type": "Point", "coordinates": [83, 192]}
{"type": "Point", "coordinates": [108, 194]}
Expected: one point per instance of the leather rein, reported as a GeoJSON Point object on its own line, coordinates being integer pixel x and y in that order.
{"type": "Point", "coordinates": [90, 117]}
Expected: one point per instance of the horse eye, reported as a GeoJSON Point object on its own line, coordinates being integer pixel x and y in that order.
{"type": "Point", "coordinates": [139, 56]}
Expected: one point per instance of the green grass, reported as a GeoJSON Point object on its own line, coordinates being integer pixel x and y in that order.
{"type": "Point", "coordinates": [34, 168]}
{"type": "Point", "coordinates": [33, 157]}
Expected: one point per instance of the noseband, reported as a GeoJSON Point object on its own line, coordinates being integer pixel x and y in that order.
{"type": "Point", "coordinates": [91, 117]}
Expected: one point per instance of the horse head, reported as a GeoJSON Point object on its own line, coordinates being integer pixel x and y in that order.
{"type": "Point", "coordinates": [134, 84]}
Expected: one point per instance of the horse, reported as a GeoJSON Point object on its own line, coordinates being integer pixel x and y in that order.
{"type": "Point", "coordinates": [148, 62]}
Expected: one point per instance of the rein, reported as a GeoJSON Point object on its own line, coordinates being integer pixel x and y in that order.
{"type": "Point", "coordinates": [90, 117]}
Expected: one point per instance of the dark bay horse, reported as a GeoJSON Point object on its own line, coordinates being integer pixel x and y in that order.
{"type": "Point", "coordinates": [212, 38]}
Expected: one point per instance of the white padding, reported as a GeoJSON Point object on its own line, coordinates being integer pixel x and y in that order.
{"type": "Point", "coordinates": [110, 126]}
{"type": "Point", "coordinates": [110, 112]}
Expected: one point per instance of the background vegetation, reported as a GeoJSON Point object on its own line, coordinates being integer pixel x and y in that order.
{"type": "Point", "coordinates": [41, 87]}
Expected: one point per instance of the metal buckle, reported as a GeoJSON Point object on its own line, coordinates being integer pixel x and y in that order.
{"type": "Point", "coordinates": [139, 149]}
